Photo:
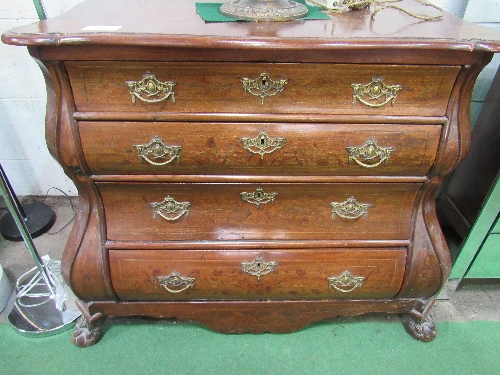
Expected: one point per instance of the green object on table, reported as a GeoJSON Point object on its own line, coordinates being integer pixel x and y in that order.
{"type": "Point", "coordinates": [209, 12]}
{"type": "Point", "coordinates": [40, 10]}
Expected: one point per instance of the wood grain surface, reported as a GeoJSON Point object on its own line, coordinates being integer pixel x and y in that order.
{"type": "Point", "coordinates": [216, 87]}
{"type": "Point", "coordinates": [214, 148]}
{"type": "Point", "coordinates": [218, 212]}
{"type": "Point", "coordinates": [299, 274]}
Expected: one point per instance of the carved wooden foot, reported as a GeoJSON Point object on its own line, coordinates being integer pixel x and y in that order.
{"type": "Point", "coordinates": [87, 333]}
{"type": "Point", "coordinates": [421, 329]}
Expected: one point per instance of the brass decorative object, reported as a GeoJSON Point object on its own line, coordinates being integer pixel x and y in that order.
{"type": "Point", "coordinates": [175, 283]}
{"type": "Point", "coordinates": [150, 90]}
{"type": "Point", "coordinates": [170, 209]}
{"type": "Point", "coordinates": [346, 282]}
{"type": "Point", "coordinates": [262, 144]}
{"type": "Point", "coordinates": [258, 197]}
{"type": "Point", "coordinates": [263, 86]}
{"type": "Point", "coordinates": [370, 155]}
{"type": "Point", "coordinates": [376, 93]}
{"type": "Point", "coordinates": [264, 10]}
{"type": "Point", "coordinates": [258, 267]}
{"type": "Point", "coordinates": [157, 150]}
{"type": "Point", "coordinates": [350, 209]}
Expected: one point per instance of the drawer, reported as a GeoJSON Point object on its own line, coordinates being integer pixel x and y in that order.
{"type": "Point", "coordinates": [210, 211]}
{"type": "Point", "coordinates": [213, 87]}
{"type": "Point", "coordinates": [263, 149]}
{"type": "Point", "coordinates": [254, 275]}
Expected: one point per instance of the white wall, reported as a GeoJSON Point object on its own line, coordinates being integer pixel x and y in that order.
{"type": "Point", "coordinates": [486, 13]}
{"type": "Point", "coordinates": [23, 154]}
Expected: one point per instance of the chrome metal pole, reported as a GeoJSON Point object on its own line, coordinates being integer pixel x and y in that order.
{"type": "Point", "coordinates": [10, 200]}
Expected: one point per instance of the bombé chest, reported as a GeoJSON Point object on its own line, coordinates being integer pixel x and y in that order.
{"type": "Point", "coordinates": [256, 177]}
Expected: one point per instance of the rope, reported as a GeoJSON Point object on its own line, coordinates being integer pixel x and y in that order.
{"type": "Point", "coordinates": [379, 5]}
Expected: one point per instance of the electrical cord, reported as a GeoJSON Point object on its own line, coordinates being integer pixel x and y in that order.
{"type": "Point", "coordinates": [70, 204]}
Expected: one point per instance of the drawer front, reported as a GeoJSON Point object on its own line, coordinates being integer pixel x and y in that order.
{"type": "Point", "coordinates": [265, 275]}
{"type": "Point", "coordinates": [261, 88]}
{"type": "Point", "coordinates": [206, 211]}
{"type": "Point", "coordinates": [264, 149]}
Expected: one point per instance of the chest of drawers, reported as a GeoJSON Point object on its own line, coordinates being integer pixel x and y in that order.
{"type": "Point", "coordinates": [255, 177]}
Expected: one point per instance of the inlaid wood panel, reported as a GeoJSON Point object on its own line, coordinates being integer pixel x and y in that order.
{"type": "Point", "coordinates": [218, 211]}
{"type": "Point", "coordinates": [217, 88]}
{"type": "Point", "coordinates": [218, 149]}
{"type": "Point", "coordinates": [295, 274]}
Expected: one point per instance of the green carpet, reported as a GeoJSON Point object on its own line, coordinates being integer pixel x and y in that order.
{"type": "Point", "coordinates": [352, 348]}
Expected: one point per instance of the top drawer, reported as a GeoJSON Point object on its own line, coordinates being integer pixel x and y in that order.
{"type": "Point", "coordinates": [261, 88]}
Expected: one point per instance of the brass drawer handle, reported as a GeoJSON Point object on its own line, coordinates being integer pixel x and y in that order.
{"type": "Point", "coordinates": [350, 209]}
{"type": "Point", "coordinates": [258, 197]}
{"type": "Point", "coordinates": [170, 209]}
{"type": "Point", "coordinates": [263, 86]}
{"type": "Point", "coordinates": [346, 282]}
{"type": "Point", "coordinates": [262, 144]}
{"type": "Point", "coordinates": [178, 282]}
{"type": "Point", "coordinates": [158, 151]}
{"type": "Point", "coordinates": [150, 90]}
{"type": "Point", "coordinates": [376, 93]}
{"type": "Point", "coordinates": [258, 267]}
{"type": "Point", "coordinates": [370, 155]}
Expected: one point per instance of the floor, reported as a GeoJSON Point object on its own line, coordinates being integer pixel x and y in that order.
{"type": "Point", "coordinates": [474, 300]}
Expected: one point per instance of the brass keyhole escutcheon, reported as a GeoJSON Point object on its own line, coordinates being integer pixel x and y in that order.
{"type": "Point", "coordinates": [262, 144]}
{"type": "Point", "coordinates": [263, 86]}
{"type": "Point", "coordinates": [259, 267]}
{"type": "Point", "coordinates": [259, 197]}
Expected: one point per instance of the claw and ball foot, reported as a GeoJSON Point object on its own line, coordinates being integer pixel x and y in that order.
{"type": "Point", "coordinates": [421, 329]}
{"type": "Point", "coordinates": [87, 333]}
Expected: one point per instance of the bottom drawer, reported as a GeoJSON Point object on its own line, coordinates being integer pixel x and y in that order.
{"type": "Point", "coordinates": [257, 275]}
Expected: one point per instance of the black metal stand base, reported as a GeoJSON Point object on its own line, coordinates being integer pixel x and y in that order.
{"type": "Point", "coordinates": [39, 218]}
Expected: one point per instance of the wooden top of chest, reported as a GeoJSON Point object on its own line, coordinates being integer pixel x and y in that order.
{"type": "Point", "coordinates": [175, 23]}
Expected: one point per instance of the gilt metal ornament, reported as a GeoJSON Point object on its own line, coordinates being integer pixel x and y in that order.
{"type": "Point", "coordinates": [350, 209]}
{"type": "Point", "coordinates": [157, 150]}
{"type": "Point", "coordinates": [150, 90]}
{"type": "Point", "coordinates": [258, 197]}
{"type": "Point", "coordinates": [262, 144]}
{"type": "Point", "coordinates": [346, 282]}
{"type": "Point", "coordinates": [264, 10]}
{"type": "Point", "coordinates": [370, 155]}
{"type": "Point", "coordinates": [376, 93]}
{"type": "Point", "coordinates": [259, 267]}
{"type": "Point", "coordinates": [175, 283]}
{"type": "Point", "coordinates": [263, 86]}
{"type": "Point", "coordinates": [170, 209]}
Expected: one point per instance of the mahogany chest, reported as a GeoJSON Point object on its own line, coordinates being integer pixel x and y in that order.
{"type": "Point", "coordinates": [255, 177]}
